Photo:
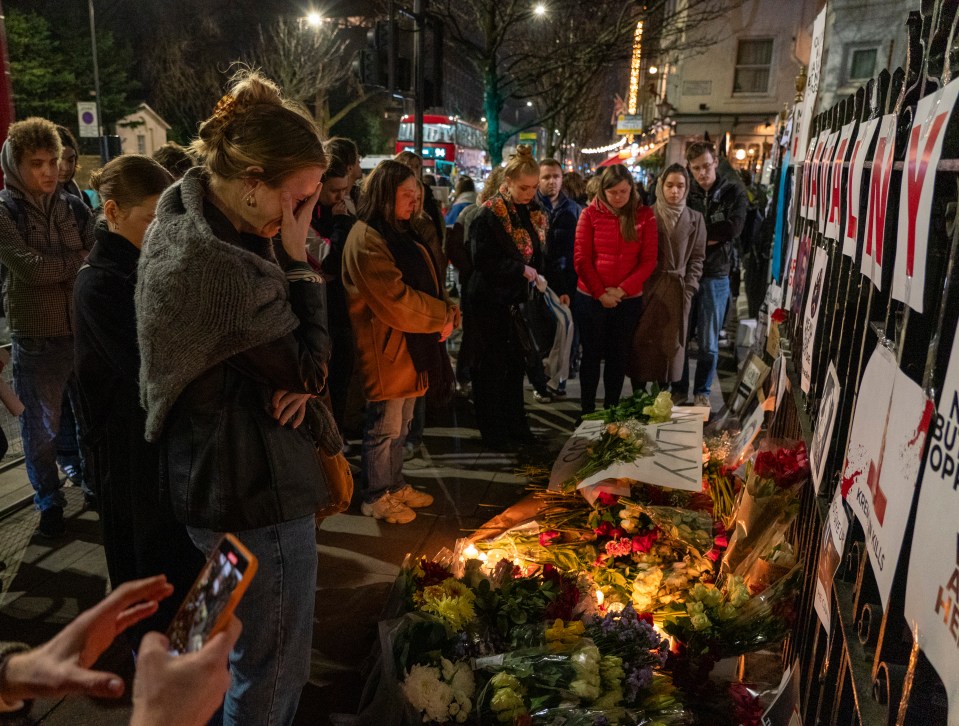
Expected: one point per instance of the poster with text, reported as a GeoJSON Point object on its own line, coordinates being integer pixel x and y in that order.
{"type": "Point", "coordinates": [932, 586]}
{"type": "Point", "coordinates": [915, 194]}
{"type": "Point", "coordinates": [819, 449]}
{"type": "Point", "coordinates": [883, 461]}
{"type": "Point", "coordinates": [858, 176]}
{"type": "Point", "coordinates": [830, 555]}
{"type": "Point", "coordinates": [801, 273]}
{"type": "Point", "coordinates": [834, 215]}
{"type": "Point", "coordinates": [879, 179]}
{"type": "Point", "coordinates": [825, 179]}
{"type": "Point", "coordinates": [806, 109]}
{"type": "Point", "coordinates": [816, 283]}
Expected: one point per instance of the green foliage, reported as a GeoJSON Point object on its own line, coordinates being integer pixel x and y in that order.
{"type": "Point", "coordinates": [516, 604]}
{"type": "Point", "coordinates": [51, 67]}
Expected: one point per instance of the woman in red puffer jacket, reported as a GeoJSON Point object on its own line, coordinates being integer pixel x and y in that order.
{"type": "Point", "coordinates": [615, 253]}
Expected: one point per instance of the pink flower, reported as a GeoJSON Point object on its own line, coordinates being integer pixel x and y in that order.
{"type": "Point", "coordinates": [643, 542]}
{"type": "Point", "coordinates": [605, 529]}
{"type": "Point", "coordinates": [619, 547]}
{"type": "Point", "coordinates": [546, 538]}
{"type": "Point", "coordinates": [605, 499]}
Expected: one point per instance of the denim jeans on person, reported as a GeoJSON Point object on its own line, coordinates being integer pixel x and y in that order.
{"type": "Point", "coordinates": [42, 376]}
{"type": "Point", "coordinates": [381, 461]}
{"type": "Point", "coordinates": [606, 334]}
{"type": "Point", "coordinates": [270, 663]}
{"type": "Point", "coordinates": [709, 309]}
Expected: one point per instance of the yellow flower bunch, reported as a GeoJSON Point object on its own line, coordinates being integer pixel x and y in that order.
{"type": "Point", "coordinates": [560, 636]}
{"type": "Point", "coordinates": [451, 601]}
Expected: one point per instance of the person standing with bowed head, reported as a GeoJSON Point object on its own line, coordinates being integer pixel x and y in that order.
{"type": "Point", "coordinates": [400, 318]}
{"type": "Point", "coordinates": [141, 537]}
{"type": "Point", "coordinates": [233, 344]}
{"type": "Point", "coordinates": [506, 240]}
{"type": "Point", "coordinates": [614, 255]}
{"type": "Point", "coordinates": [659, 345]}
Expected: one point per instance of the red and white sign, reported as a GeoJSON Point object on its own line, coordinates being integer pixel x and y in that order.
{"type": "Point", "coordinates": [932, 586]}
{"type": "Point", "coordinates": [834, 215]}
{"type": "Point", "coordinates": [825, 179]}
{"type": "Point", "coordinates": [882, 463]}
{"type": "Point", "coordinates": [858, 175]}
{"type": "Point", "coordinates": [882, 161]}
{"type": "Point", "coordinates": [915, 196]}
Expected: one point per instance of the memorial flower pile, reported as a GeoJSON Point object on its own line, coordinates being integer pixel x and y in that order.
{"type": "Point", "coordinates": [622, 441]}
{"type": "Point", "coordinates": [643, 406]}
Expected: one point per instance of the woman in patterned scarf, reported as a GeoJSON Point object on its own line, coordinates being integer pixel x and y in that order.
{"type": "Point", "coordinates": [506, 240]}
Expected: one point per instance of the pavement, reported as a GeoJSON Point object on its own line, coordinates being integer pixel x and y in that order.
{"type": "Point", "coordinates": [47, 583]}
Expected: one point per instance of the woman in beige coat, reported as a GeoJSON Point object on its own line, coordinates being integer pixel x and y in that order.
{"type": "Point", "coordinates": [659, 342]}
{"type": "Point", "coordinates": [400, 316]}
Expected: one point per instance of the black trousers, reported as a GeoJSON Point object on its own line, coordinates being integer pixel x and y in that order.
{"type": "Point", "coordinates": [497, 372]}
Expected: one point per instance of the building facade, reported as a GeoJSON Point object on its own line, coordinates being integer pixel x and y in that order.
{"type": "Point", "coordinates": [142, 132]}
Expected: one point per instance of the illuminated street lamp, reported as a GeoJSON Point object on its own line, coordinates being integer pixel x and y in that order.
{"type": "Point", "coordinates": [314, 19]}
{"type": "Point", "coordinates": [653, 70]}
{"type": "Point", "coordinates": [539, 9]}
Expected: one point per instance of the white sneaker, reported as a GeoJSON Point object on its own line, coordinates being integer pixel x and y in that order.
{"type": "Point", "coordinates": [388, 508]}
{"type": "Point", "coordinates": [413, 498]}
{"type": "Point", "coordinates": [701, 399]}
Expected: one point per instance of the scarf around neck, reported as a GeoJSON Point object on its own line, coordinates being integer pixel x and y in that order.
{"type": "Point", "coordinates": [505, 211]}
{"type": "Point", "coordinates": [668, 214]}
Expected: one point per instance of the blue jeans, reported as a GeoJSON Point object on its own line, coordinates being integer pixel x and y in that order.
{"type": "Point", "coordinates": [270, 663]}
{"type": "Point", "coordinates": [42, 377]}
{"type": "Point", "coordinates": [713, 297]}
{"type": "Point", "coordinates": [381, 463]}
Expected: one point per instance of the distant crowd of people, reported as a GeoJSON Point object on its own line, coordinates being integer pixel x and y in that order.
{"type": "Point", "coordinates": [232, 312]}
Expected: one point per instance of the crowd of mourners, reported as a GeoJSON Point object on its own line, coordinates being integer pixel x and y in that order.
{"type": "Point", "coordinates": [233, 311]}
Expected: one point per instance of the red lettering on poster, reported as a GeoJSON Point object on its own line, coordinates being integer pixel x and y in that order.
{"type": "Point", "coordinates": [878, 198]}
{"type": "Point", "coordinates": [916, 168]}
{"type": "Point", "coordinates": [837, 181]}
{"type": "Point", "coordinates": [852, 205]}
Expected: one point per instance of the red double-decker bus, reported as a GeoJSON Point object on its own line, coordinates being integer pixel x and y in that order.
{"type": "Point", "coordinates": [448, 142]}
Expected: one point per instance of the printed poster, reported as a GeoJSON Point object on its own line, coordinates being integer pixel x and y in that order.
{"type": "Point", "coordinates": [830, 555]}
{"type": "Point", "coordinates": [882, 465]}
{"type": "Point", "coordinates": [932, 586]}
{"type": "Point", "coordinates": [784, 709]}
{"type": "Point", "coordinates": [834, 214]}
{"type": "Point", "coordinates": [878, 190]}
{"type": "Point", "coordinates": [807, 108]}
{"type": "Point", "coordinates": [800, 273]}
{"type": "Point", "coordinates": [915, 196]}
{"type": "Point", "coordinates": [858, 175]}
{"type": "Point", "coordinates": [825, 179]}
{"type": "Point", "coordinates": [829, 405]}
{"type": "Point", "coordinates": [817, 282]}
{"type": "Point", "coordinates": [675, 460]}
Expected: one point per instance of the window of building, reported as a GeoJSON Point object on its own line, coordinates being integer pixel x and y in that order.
{"type": "Point", "coordinates": [754, 59]}
{"type": "Point", "coordinates": [141, 144]}
{"type": "Point", "coordinates": [862, 63]}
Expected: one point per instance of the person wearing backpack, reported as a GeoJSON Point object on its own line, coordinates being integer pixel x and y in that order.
{"type": "Point", "coordinates": [45, 236]}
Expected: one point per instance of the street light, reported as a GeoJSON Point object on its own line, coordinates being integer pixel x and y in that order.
{"type": "Point", "coordinates": [540, 9]}
{"type": "Point", "coordinates": [653, 70]}
{"type": "Point", "coordinates": [314, 19]}
{"type": "Point", "coordinates": [529, 104]}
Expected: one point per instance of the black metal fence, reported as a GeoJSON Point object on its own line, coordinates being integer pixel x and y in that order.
{"type": "Point", "coordinates": [865, 669]}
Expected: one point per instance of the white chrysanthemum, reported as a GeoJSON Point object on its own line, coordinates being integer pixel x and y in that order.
{"type": "Point", "coordinates": [427, 693]}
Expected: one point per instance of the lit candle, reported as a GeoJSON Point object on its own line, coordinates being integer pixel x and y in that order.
{"type": "Point", "coordinates": [600, 597]}
{"type": "Point", "coordinates": [470, 552]}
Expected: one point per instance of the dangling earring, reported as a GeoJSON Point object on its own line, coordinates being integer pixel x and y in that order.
{"type": "Point", "coordinates": [251, 200]}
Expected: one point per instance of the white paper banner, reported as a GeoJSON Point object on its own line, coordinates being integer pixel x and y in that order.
{"type": "Point", "coordinates": [932, 586]}
{"type": "Point", "coordinates": [858, 174]}
{"type": "Point", "coordinates": [881, 473]}
{"type": "Point", "coordinates": [824, 424]}
{"type": "Point", "coordinates": [834, 215]}
{"type": "Point", "coordinates": [825, 179]}
{"type": "Point", "coordinates": [915, 195]}
{"type": "Point", "coordinates": [815, 284]}
{"type": "Point", "coordinates": [807, 108]}
{"type": "Point", "coordinates": [872, 253]}
{"type": "Point", "coordinates": [676, 460]}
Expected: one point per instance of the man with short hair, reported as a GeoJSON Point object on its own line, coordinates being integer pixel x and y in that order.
{"type": "Point", "coordinates": [563, 215]}
{"type": "Point", "coordinates": [723, 203]}
{"type": "Point", "coordinates": [44, 239]}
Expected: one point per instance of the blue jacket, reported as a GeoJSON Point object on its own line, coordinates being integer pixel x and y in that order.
{"type": "Point", "coordinates": [560, 240]}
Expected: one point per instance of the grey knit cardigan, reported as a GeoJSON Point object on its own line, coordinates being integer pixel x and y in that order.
{"type": "Point", "coordinates": [199, 300]}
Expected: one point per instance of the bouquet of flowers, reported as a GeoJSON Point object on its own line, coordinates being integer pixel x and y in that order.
{"type": "Point", "coordinates": [619, 442]}
{"type": "Point", "coordinates": [719, 482]}
{"type": "Point", "coordinates": [769, 498]}
{"type": "Point", "coordinates": [441, 693]}
{"type": "Point", "coordinates": [645, 406]}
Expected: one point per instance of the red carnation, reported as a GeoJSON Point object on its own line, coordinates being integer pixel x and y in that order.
{"type": "Point", "coordinates": [605, 499]}
{"type": "Point", "coordinates": [546, 538]}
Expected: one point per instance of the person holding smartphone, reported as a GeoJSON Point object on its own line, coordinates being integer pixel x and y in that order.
{"type": "Point", "coordinates": [233, 343]}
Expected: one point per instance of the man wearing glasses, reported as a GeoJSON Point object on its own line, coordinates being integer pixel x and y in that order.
{"type": "Point", "coordinates": [723, 204]}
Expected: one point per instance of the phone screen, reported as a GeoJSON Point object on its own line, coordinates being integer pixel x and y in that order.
{"type": "Point", "coordinates": [224, 574]}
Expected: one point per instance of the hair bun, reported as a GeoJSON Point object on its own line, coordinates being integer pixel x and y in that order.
{"type": "Point", "coordinates": [96, 178]}
{"type": "Point", "coordinates": [524, 150]}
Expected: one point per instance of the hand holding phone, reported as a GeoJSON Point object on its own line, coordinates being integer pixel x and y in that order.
{"type": "Point", "coordinates": [214, 596]}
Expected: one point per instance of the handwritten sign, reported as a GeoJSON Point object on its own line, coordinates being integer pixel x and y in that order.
{"type": "Point", "coordinates": [805, 110]}
{"type": "Point", "coordinates": [915, 196]}
{"type": "Point", "coordinates": [932, 586]}
{"type": "Point", "coordinates": [675, 459]}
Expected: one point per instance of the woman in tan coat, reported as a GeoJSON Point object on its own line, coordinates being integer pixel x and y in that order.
{"type": "Point", "coordinates": [400, 318]}
{"type": "Point", "coordinates": [659, 342]}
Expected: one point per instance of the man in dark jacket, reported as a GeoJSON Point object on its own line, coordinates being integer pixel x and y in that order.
{"type": "Point", "coordinates": [723, 203]}
{"type": "Point", "coordinates": [43, 242]}
{"type": "Point", "coordinates": [563, 215]}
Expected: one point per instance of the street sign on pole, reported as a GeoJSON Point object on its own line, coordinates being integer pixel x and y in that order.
{"type": "Point", "coordinates": [629, 124]}
{"type": "Point", "coordinates": [88, 119]}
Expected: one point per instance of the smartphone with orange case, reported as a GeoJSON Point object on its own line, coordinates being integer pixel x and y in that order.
{"type": "Point", "coordinates": [213, 597]}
